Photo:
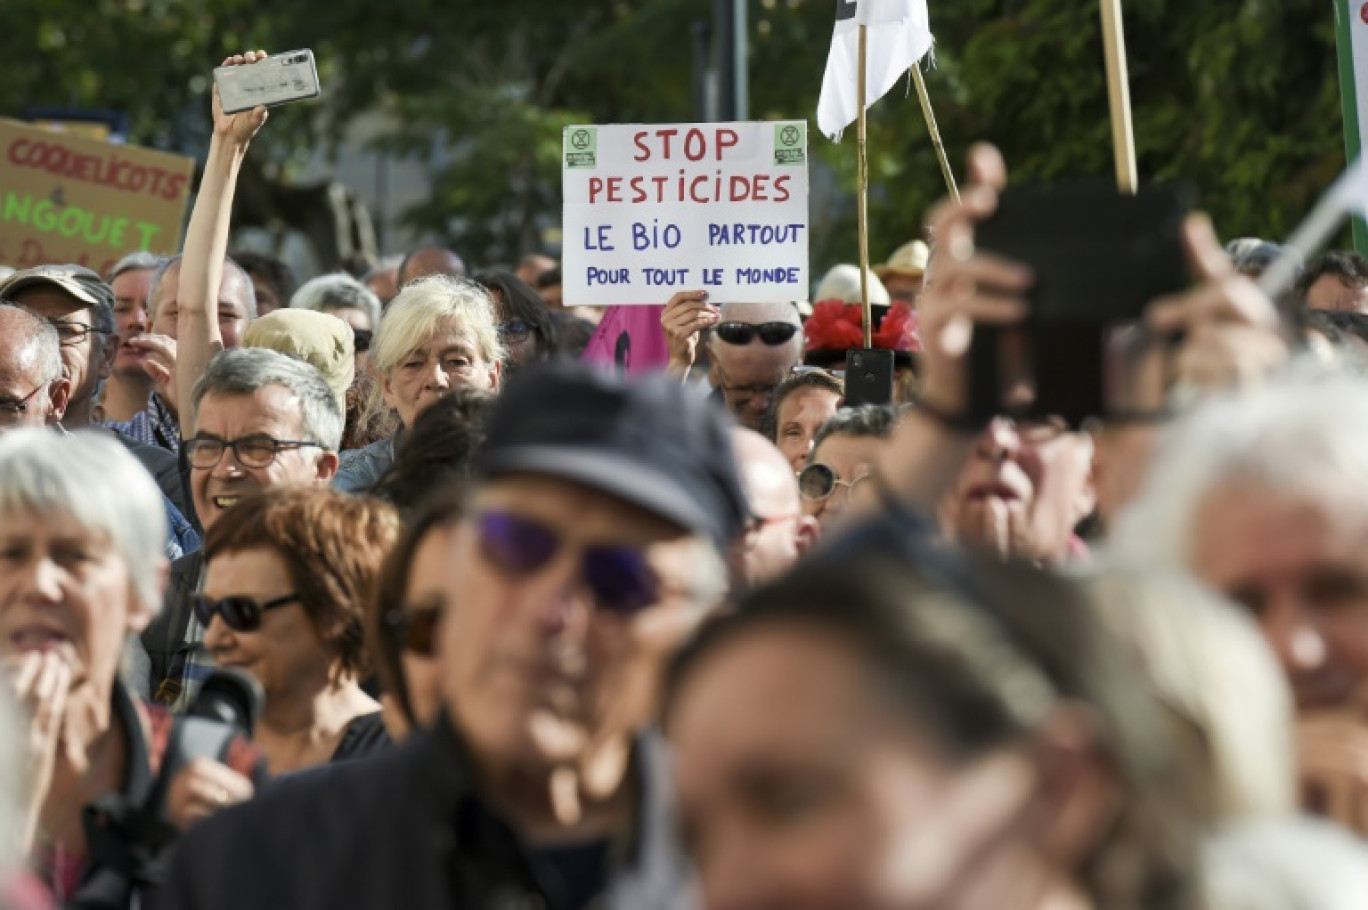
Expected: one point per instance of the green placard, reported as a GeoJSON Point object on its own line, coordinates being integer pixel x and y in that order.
{"type": "Point", "coordinates": [581, 146]}
{"type": "Point", "coordinates": [1350, 72]}
{"type": "Point", "coordinates": [790, 143]}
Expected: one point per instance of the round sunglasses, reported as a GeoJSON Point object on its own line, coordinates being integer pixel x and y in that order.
{"type": "Point", "coordinates": [818, 481]}
{"type": "Point", "coordinates": [620, 578]}
{"type": "Point", "coordinates": [240, 612]}
{"type": "Point", "coordinates": [771, 333]}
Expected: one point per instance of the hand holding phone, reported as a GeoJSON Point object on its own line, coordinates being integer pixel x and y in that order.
{"type": "Point", "coordinates": [267, 81]}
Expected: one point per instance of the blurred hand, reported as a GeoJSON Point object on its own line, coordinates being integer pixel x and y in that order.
{"type": "Point", "coordinates": [965, 286]}
{"type": "Point", "coordinates": [1333, 756]}
{"type": "Point", "coordinates": [202, 788]}
{"type": "Point", "coordinates": [160, 364]}
{"type": "Point", "coordinates": [41, 681]}
{"type": "Point", "coordinates": [238, 129]}
{"type": "Point", "coordinates": [1230, 329]}
{"type": "Point", "coordinates": [684, 318]}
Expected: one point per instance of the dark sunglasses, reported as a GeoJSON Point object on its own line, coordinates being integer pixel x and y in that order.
{"type": "Point", "coordinates": [239, 612]}
{"type": "Point", "coordinates": [515, 330]}
{"type": "Point", "coordinates": [770, 333]}
{"type": "Point", "coordinates": [361, 339]}
{"type": "Point", "coordinates": [414, 629]}
{"type": "Point", "coordinates": [619, 577]}
{"type": "Point", "coordinates": [817, 481]}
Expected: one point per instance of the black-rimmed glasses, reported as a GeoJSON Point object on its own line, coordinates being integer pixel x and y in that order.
{"type": "Point", "coordinates": [75, 332]}
{"type": "Point", "coordinates": [257, 451]}
{"type": "Point", "coordinates": [13, 406]}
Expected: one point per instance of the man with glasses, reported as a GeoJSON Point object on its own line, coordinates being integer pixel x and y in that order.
{"type": "Point", "coordinates": [753, 347]}
{"type": "Point", "coordinates": [778, 531]}
{"type": "Point", "coordinates": [261, 419]}
{"type": "Point", "coordinates": [81, 307]}
{"type": "Point", "coordinates": [33, 391]}
{"type": "Point", "coordinates": [590, 550]}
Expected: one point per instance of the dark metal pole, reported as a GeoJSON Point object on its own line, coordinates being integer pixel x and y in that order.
{"type": "Point", "coordinates": [733, 84]}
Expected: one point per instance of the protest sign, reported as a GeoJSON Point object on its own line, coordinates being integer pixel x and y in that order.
{"type": "Point", "coordinates": [1351, 26]}
{"type": "Point", "coordinates": [64, 198]}
{"type": "Point", "coordinates": [651, 210]}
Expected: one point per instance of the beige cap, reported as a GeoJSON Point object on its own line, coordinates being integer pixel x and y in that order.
{"type": "Point", "coordinates": [320, 339]}
{"type": "Point", "coordinates": [908, 259]}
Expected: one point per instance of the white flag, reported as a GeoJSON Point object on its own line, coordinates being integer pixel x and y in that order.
{"type": "Point", "coordinates": [899, 36]}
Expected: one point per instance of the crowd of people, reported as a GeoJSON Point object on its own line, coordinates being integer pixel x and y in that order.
{"type": "Point", "coordinates": [365, 592]}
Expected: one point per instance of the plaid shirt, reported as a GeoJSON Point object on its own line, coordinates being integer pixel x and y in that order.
{"type": "Point", "coordinates": [152, 426]}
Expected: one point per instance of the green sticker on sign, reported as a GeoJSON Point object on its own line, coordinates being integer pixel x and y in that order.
{"type": "Point", "coordinates": [581, 147]}
{"type": "Point", "coordinates": [790, 143]}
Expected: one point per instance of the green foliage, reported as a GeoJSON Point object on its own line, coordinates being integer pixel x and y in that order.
{"type": "Point", "coordinates": [1240, 96]}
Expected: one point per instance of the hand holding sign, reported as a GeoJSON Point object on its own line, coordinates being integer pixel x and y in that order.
{"type": "Point", "coordinates": [685, 317]}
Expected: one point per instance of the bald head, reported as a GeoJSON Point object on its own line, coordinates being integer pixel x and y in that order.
{"type": "Point", "coordinates": [747, 374]}
{"type": "Point", "coordinates": [30, 369]}
{"type": "Point", "coordinates": [779, 531]}
{"type": "Point", "coordinates": [430, 260]}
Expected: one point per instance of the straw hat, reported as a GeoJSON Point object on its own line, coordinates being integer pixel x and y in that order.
{"type": "Point", "coordinates": [842, 282]}
{"type": "Point", "coordinates": [909, 259]}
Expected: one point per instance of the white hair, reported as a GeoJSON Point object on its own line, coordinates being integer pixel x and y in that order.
{"type": "Point", "coordinates": [1215, 671]}
{"type": "Point", "coordinates": [1297, 864]}
{"type": "Point", "coordinates": [95, 480]}
{"type": "Point", "coordinates": [337, 291]}
{"type": "Point", "coordinates": [1305, 435]}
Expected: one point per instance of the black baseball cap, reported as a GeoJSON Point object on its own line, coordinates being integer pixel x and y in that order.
{"type": "Point", "coordinates": [650, 441]}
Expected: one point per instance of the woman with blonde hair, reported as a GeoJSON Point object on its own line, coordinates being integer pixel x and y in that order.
{"type": "Point", "coordinates": [440, 333]}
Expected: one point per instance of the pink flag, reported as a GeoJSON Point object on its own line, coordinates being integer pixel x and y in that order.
{"type": "Point", "coordinates": [631, 339]}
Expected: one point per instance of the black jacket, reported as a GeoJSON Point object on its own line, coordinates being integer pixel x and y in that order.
{"type": "Point", "coordinates": [407, 828]}
{"type": "Point", "coordinates": [164, 637]}
{"type": "Point", "coordinates": [400, 829]}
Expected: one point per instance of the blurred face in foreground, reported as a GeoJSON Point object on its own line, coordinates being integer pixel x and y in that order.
{"type": "Point", "coordinates": [802, 787]}
{"type": "Point", "coordinates": [570, 601]}
{"type": "Point", "coordinates": [1302, 572]}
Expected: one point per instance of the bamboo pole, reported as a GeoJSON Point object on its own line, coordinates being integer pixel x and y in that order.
{"type": "Point", "coordinates": [863, 196]}
{"type": "Point", "coordinates": [1118, 94]}
{"type": "Point", "coordinates": [931, 126]}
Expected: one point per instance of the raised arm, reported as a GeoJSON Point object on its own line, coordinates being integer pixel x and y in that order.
{"type": "Point", "coordinates": [206, 245]}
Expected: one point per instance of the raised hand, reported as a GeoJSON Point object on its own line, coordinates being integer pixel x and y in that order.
{"type": "Point", "coordinates": [238, 129]}
{"type": "Point", "coordinates": [685, 317]}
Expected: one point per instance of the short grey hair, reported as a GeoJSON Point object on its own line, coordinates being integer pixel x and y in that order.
{"type": "Point", "coordinates": [91, 477]}
{"type": "Point", "coordinates": [246, 371]}
{"type": "Point", "coordinates": [175, 261]}
{"type": "Point", "coordinates": [337, 291]}
{"type": "Point", "coordinates": [43, 335]}
{"type": "Point", "coordinates": [1306, 433]}
{"type": "Point", "coordinates": [873, 421]}
{"type": "Point", "coordinates": [140, 261]}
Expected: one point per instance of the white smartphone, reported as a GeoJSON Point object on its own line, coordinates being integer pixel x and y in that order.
{"type": "Point", "coordinates": [278, 79]}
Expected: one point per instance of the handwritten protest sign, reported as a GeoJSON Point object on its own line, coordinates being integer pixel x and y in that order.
{"type": "Point", "coordinates": [68, 199]}
{"type": "Point", "coordinates": [655, 209]}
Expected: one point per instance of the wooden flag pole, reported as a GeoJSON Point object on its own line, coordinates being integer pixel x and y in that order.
{"type": "Point", "coordinates": [862, 198]}
{"type": "Point", "coordinates": [935, 132]}
{"type": "Point", "coordinates": [1118, 93]}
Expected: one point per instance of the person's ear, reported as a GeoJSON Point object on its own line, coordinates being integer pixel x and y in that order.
{"type": "Point", "coordinates": [806, 534]}
{"type": "Point", "coordinates": [1079, 796]}
{"type": "Point", "coordinates": [59, 396]}
{"type": "Point", "coordinates": [326, 466]}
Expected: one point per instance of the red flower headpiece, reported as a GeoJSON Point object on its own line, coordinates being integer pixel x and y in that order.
{"type": "Point", "coordinates": [836, 326]}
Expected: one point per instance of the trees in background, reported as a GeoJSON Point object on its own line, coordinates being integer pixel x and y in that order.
{"type": "Point", "coordinates": [1241, 97]}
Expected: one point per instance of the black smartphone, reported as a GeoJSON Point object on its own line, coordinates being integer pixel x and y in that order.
{"type": "Point", "coordinates": [868, 377]}
{"type": "Point", "coordinates": [1099, 258]}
